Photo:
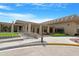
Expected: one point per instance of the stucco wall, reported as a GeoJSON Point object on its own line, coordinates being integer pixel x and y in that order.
{"type": "Point", "coordinates": [69, 28]}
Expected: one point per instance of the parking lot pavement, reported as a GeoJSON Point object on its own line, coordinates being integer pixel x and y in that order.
{"type": "Point", "coordinates": [47, 50]}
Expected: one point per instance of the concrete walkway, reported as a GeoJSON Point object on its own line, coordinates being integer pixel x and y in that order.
{"type": "Point", "coordinates": [59, 39]}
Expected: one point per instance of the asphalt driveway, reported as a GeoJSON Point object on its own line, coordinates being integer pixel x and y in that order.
{"type": "Point", "coordinates": [40, 50]}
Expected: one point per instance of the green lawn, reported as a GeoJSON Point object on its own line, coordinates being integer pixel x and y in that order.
{"type": "Point", "coordinates": [8, 34]}
{"type": "Point", "coordinates": [58, 34]}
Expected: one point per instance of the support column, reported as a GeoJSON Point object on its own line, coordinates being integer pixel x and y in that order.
{"type": "Point", "coordinates": [18, 29]}
{"type": "Point", "coordinates": [35, 29]}
{"type": "Point", "coordinates": [29, 27]}
{"type": "Point", "coordinates": [40, 30]}
{"type": "Point", "coordinates": [12, 27]}
{"type": "Point", "coordinates": [53, 30]}
{"type": "Point", "coordinates": [25, 28]}
{"type": "Point", "coordinates": [43, 29]}
{"type": "Point", "coordinates": [48, 29]}
{"type": "Point", "coordinates": [32, 29]}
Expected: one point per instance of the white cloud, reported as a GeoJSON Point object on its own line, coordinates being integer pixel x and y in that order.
{"type": "Point", "coordinates": [17, 5]}
{"type": "Point", "coordinates": [5, 7]}
{"type": "Point", "coordinates": [43, 20]}
{"type": "Point", "coordinates": [24, 17]}
{"type": "Point", "coordinates": [21, 16]}
{"type": "Point", "coordinates": [47, 5]}
{"type": "Point", "coordinates": [61, 5]}
{"type": "Point", "coordinates": [39, 4]}
{"type": "Point", "coordinates": [18, 15]}
{"type": "Point", "coordinates": [36, 20]}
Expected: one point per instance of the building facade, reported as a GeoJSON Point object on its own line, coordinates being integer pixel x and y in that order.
{"type": "Point", "coordinates": [68, 25]}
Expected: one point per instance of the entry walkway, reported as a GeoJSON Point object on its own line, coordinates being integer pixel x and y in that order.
{"type": "Point", "coordinates": [66, 40]}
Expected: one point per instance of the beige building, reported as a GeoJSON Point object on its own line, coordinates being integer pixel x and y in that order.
{"type": "Point", "coordinates": [68, 25]}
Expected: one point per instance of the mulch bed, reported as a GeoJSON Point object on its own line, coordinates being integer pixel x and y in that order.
{"type": "Point", "coordinates": [75, 40]}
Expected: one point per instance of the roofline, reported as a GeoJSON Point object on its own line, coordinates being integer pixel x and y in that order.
{"type": "Point", "coordinates": [42, 22]}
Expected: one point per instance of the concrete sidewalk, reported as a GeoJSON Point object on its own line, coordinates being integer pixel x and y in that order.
{"type": "Point", "coordinates": [59, 39]}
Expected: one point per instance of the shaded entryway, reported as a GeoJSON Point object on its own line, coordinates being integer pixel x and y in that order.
{"type": "Point", "coordinates": [59, 30]}
{"type": "Point", "coordinates": [51, 29]}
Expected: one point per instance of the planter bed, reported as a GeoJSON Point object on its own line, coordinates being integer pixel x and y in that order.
{"type": "Point", "coordinates": [58, 34]}
{"type": "Point", "coordinates": [75, 40]}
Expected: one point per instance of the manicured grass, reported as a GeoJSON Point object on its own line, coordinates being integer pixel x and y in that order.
{"type": "Point", "coordinates": [58, 34]}
{"type": "Point", "coordinates": [8, 34]}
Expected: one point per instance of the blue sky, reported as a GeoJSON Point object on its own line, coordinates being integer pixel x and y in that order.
{"type": "Point", "coordinates": [36, 12]}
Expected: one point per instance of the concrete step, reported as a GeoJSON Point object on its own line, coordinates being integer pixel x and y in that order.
{"type": "Point", "coordinates": [10, 40]}
{"type": "Point", "coordinates": [31, 35]}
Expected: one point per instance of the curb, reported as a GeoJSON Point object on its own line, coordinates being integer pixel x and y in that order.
{"type": "Point", "coordinates": [37, 44]}
{"type": "Point", "coordinates": [11, 40]}
{"type": "Point", "coordinates": [65, 44]}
